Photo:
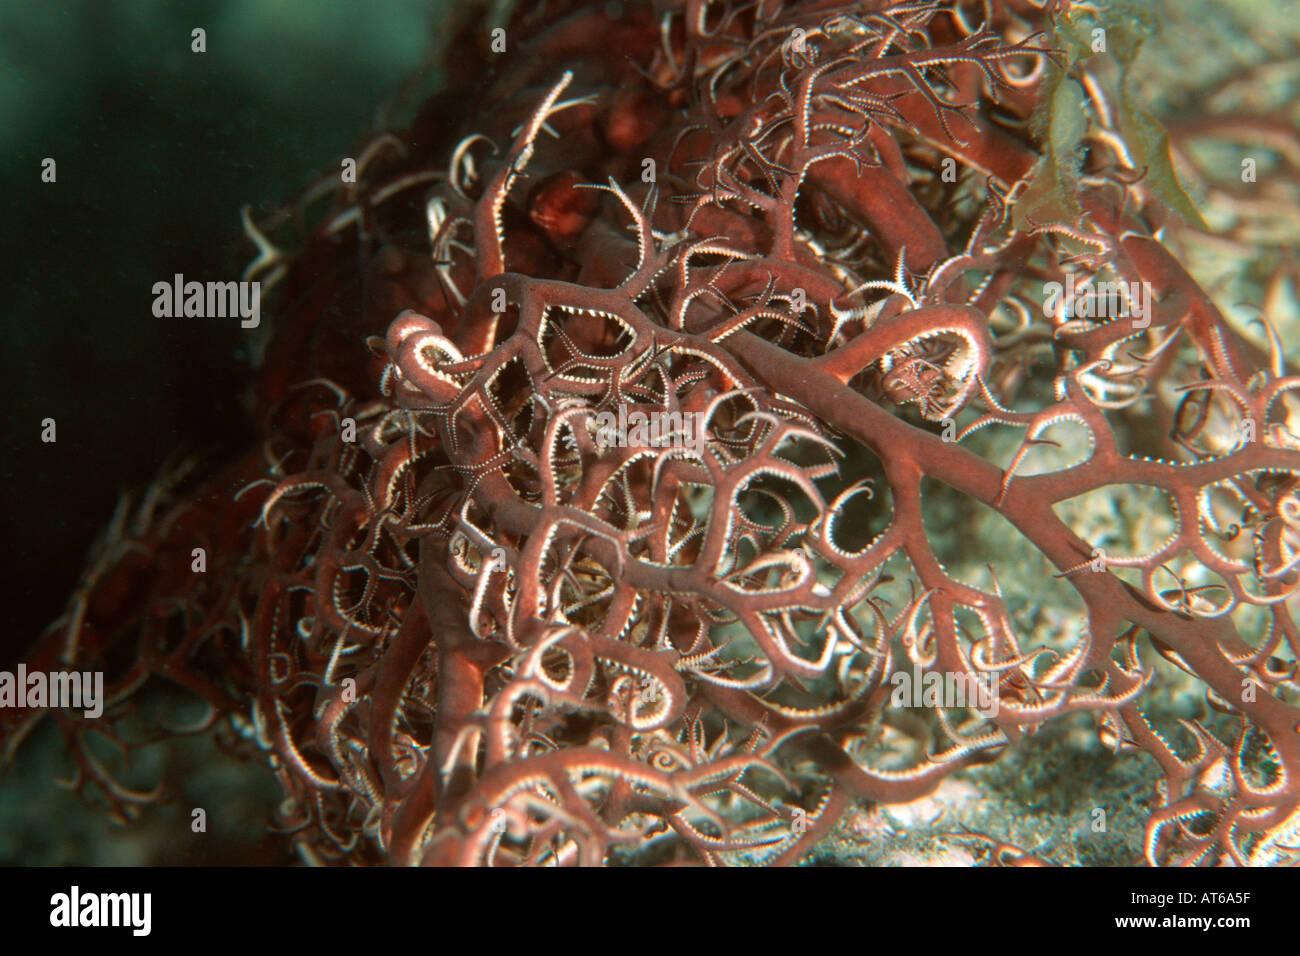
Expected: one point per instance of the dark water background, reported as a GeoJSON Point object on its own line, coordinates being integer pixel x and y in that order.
{"type": "Point", "coordinates": [157, 148]}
